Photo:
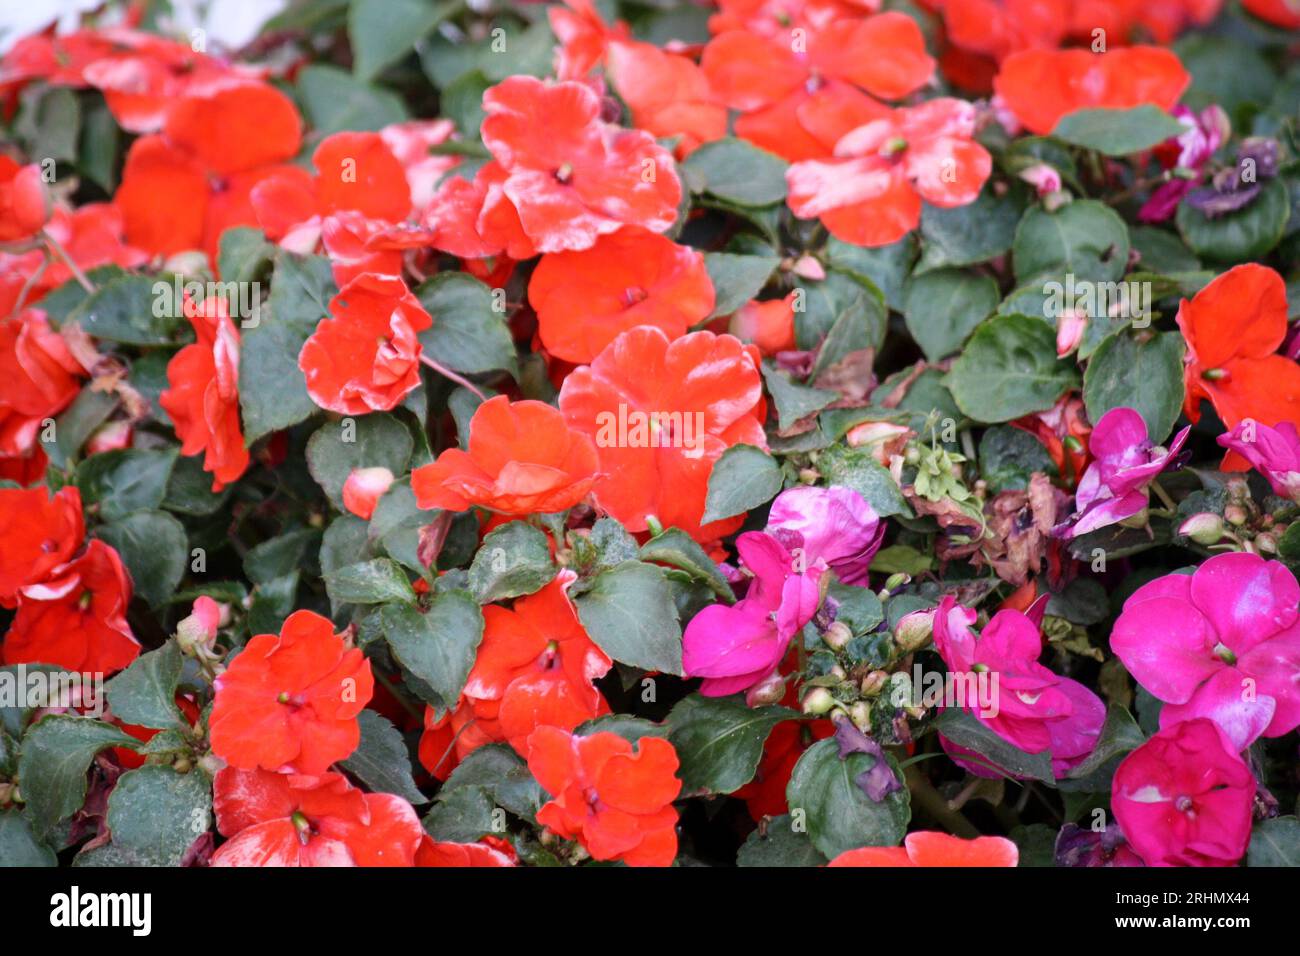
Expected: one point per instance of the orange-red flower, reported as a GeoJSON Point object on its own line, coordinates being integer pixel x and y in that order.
{"type": "Point", "coordinates": [584, 300]}
{"type": "Point", "coordinates": [668, 94]}
{"type": "Point", "coordinates": [183, 188]}
{"type": "Point", "coordinates": [291, 701]}
{"type": "Point", "coordinates": [289, 819]}
{"type": "Point", "coordinates": [38, 532]}
{"type": "Point", "coordinates": [931, 848]}
{"type": "Point", "coordinates": [616, 803]}
{"type": "Point", "coordinates": [775, 18]}
{"type": "Point", "coordinates": [24, 200]}
{"type": "Point", "coordinates": [1282, 13]}
{"type": "Point", "coordinates": [1041, 86]}
{"type": "Point", "coordinates": [1233, 328]}
{"type": "Point", "coordinates": [569, 176]}
{"type": "Point", "coordinates": [788, 85]}
{"type": "Point", "coordinates": [522, 459]}
{"type": "Point", "coordinates": [76, 616]}
{"type": "Point", "coordinates": [535, 667]}
{"type": "Point", "coordinates": [490, 852]}
{"type": "Point", "coordinates": [39, 377]}
{"type": "Point", "coordinates": [870, 193]}
{"type": "Point", "coordinates": [203, 397]}
{"type": "Point", "coordinates": [366, 357]}
{"type": "Point", "coordinates": [661, 413]}
{"type": "Point", "coordinates": [769, 325]}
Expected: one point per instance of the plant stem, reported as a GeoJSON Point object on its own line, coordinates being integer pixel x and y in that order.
{"type": "Point", "coordinates": [932, 801]}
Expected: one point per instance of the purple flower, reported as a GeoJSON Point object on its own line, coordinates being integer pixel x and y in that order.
{"type": "Point", "coordinates": [829, 528]}
{"type": "Point", "coordinates": [1205, 132]}
{"type": "Point", "coordinates": [1273, 452]}
{"type": "Point", "coordinates": [1113, 488]}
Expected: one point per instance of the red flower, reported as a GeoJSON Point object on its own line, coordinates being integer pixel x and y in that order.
{"type": "Point", "coordinates": [633, 277]}
{"type": "Point", "coordinates": [1282, 13]}
{"type": "Point", "coordinates": [787, 85]}
{"type": "Point", "coordinates": [870, 193]}
{"type": "Point", "coordinates": [76, 616]}
{"type": "Point", "coordinates": [1233, 328]}
{"type": "Point", "coordinates": [481, 854]}
{"type": "Point", "coordinates": [276, 819]}
{"type": "Point", "coordinates": [366, 357]}
{"type": "Point", "coordinates": [616, 803]}
{"type": "Point", "coordinates": [39, 377]}
{"type": "Point", "coordinates": [775, 18]}
{"type": "Point", "coordinates": [203, 397]}
{"type": "Point", "coordinates": [522, 459]}
{"type": "Point", "coordinates": [667, 93]}
{"type": "Point", "coordinates": [535, 667]}
{"type": "Point", "coordinates": [769, 325]}
{"type": "Point", "coordinates": [182, 189]}
{"type": "Point", "coordinates": [363, 489]}
{"type": "Point", "coordinates": [929, 848]}
{"type": "Point", "coordinates": [1041, 86]}
{"type": "Point", "coordinates": [661, 414]}
{"type": "Point", "coordinates": [570, 177]}
{"type": "Point", "coordinates": [38, 532]}
{"type": "Point", "coordinates": [291, 701]}
{"type": "Point", "coordinates": [24, 200]}
{"type": "Point", "coordinates": [764, 796]}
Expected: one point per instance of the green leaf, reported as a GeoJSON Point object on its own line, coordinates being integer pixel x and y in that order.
{"type": "Point", "coordinates": [189, 489]}
{"type": "Point", "coordinates": [1146, 376]}
{"type": "Point", "coordinates": [272, 389]}
{"type": "Point", "coordinates": [839, 815]}
{"type": "Point", "coordinates": [1084, 237]}
{"type": "Point", "coordinates": [384, 31]}
{"type": "Point", "coordinates": [463, 815]}
{"type": "Point", "coordinates": [382, 760]}
{"type": "Point", "coordinates": [281, 555]}
{"type": "Point", "coordinates": [157, 813]}
{"type": "Point", "coordinates": [334, 101]}
{"type": "Point", "coordinates": [144, 694]}
{"type": "Point", "coordinates": [49, 121]}
{"type": "Point", "coordinates": [377, 440]}
{"type": "Point", "coordinates": [1119, 734]}
{"type": "Point", "coordinates": [1008, 457]}
{"type": "Point", "coordinates": [719, 741]}
{"type": "Point", "coordinates": [18, 845]}
{"type": "Point", "coordinates": [101, 141]}
{"type": "Point", "coordinates": [1249, 233]}
{"type": "Point", "coordinates": [88, 411]}
{"type": "Point", "coordinates": [154, 548]}
{"type": "Point", "coordinates": [1275, 842]}
{"type": "Point", "coordinates": [369, 582]}
{"type": "Point", "coordinates": [1118, 132]}
{"type": "Point", "coordinates": [886, 267]}
{"type": "Point", "coordinates": [970, 234]}
{"type": "Point", "coordinates": [462, 103]}
{"type": "Point", "coordinates": [630, 614]}
{"type": "Point", "coordinates": [942, 308]}
{"type": "Point", "coordinates": [965, 731]}
{"type": "Point", "coordinates": [743, 478]}
{"type": "Point", "coordinates": [779, 843]}
{"type": "Point", "coordinates": [503, 774]}
{"type": "Point", "coordinates": [675, 547]}
{"type": "Point", "coordinates": [273, 602]}
{"type": "Point", "coordinates": [794, 402]}
{"type": "Point", "coordinates": [124, 310]}
{"type": "Point", "coordinates": [57, 750]}
{"type": "Point", "coordinates": [856, 469]}
{"type": "Point", "coordinates": [126, 480]}
{"type": "Point", "coordinates": [515, 559]}
{"type": "Point", "coordinates": [437, 645]}
{"type": "Point", "coordinates": [737, 172]}
{"type": "Point", "coordinates": [1008, 369]}
{"type": "Point", "coordinates": [737, 278]}
{"type": "Point", "coordinates": [242, 253]}
{"type": "Point", "coordinates": [468, 334]}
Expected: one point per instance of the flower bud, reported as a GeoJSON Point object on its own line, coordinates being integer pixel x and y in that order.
{"type": "Point", "coordinates": [364, 488]}
{"type": "Point", "coordinates": [1266, 543]}
{"type": "Point", "coordinates": [874, 683]}
{"type": "Point", "coordinates": [1044, 178]}
{"type": "Point", "coordinates": [25, 200]}
{"type": "Point", "coordinates": [837, 635]}
{"type": "Point", "coordinates": [860, 714]}
{"type": "Point", "coordinates": [818, 701]}
{"type": "Point", "coordinates": [1069, 331]}
{"type": "Point", "coordinates": [196, 632]}
{"type": "Point", "coordinates": [1235, 515]}
{"type": "Point", "coordinates": [1205, 528]}
{"type": "Point", "coordinates": [897, 580]}
{"type": "Point", "coordinates": [914, 630]}
{"type": "Point", "coordinates": [769, 690]}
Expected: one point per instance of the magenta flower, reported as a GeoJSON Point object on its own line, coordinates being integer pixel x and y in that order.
{"type": "Point", "coordinates": [1273, 452]}
{"type": "Point", "coordinates": [1032, 707]}
{"type": "Point", "coordinates": [1184, 797]}
{"type": "Point", "coordinates": [733, 648]}
{"type": "Point", "coordinates": [1222, 643]}
{"type": "Point", "coordinates": [1114, 487]}
{"type": "Point", "coordinates": [1189, 152]}
{"type": "Point", "coordinates": [829, 527]}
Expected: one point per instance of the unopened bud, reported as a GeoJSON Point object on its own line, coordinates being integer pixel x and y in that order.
{"type": "Point", "coordinates": [860, 714]}
{"type": "Point", "coordinates": [1235, 515]}
{"type": "Point", "coordinates": [1205, 528]}
{"type": "Point", "coordinates": [897, 580]}
{"type": "Point", "coordinates": [837, 635]}
{"type": "Point", "coordinates": [914, 630]}
{"type": "Point", "coordinates": [818, 701]}
{"type": "Point", "coordinates": [769, 690]}
{"type": "Point", "coordinates": [1266, 543]}
{"type": "Point", "coordinates": [874, 683]}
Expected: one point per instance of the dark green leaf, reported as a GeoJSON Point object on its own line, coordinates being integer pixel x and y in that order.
{"type": "Point", "coordinates": [1143, 374]}
{"type": "Point", "coordinates": [839, 815]}
{"type": "Point", "coordinates": [515, 559]}
{"type": "Point", "coordinates": [1008, 369]}
{"type": "Point", "coordinates": [743, 478]}
{"type": "Point", "coordinates": [57, 750]}
{"type": "Point", "coordinates": [629, 613]}
{"type": "Point", "coordinates": [144, 694]}
{"type": "Point", "coordinates": [719, 740]}
{"type": "Point", "coordinates": [154, 548]}
{"type": "Point", "coordinates": [438, 645]}
{"type": "Point", "coordinates": [382, 760]}
{"type": "Point", "coordinates": [1118, 132]}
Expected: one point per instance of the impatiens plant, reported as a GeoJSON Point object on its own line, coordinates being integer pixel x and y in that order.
{"type": "Point", "coordinates": [585, 433]}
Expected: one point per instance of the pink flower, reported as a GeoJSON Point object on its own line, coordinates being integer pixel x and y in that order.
{"type": "Point", "coordinates": [1273, 452]}
{"type": "Point", "coordinates": [1222, 643]}
{"type": "Point", "coordinates": [364, 488]}
{"type": "Point", "coordinates": [733, 648]}
{"type": "Point", "coordinates": [1029, 706]}
{"type": "Point", "coordinates": [1184, 798]}
{"type": "Point", "coordinates": [828, 527]}
{"type": "Point", "coordinates": [1190, 151]}
{"type": "Point", "coordinates": [1114, 486]}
